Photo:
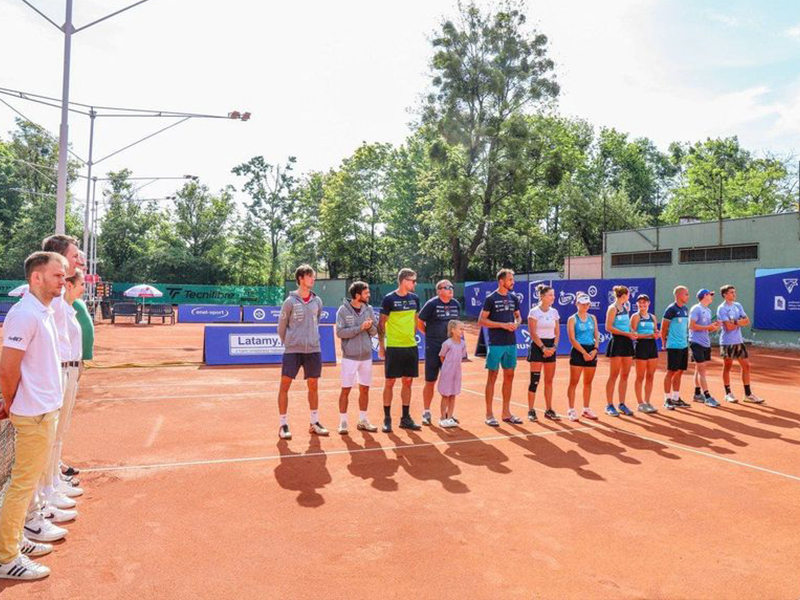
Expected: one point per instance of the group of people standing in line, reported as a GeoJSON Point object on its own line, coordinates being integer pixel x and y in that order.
{"type": "Point", "coordinates": [683, 332]}
{"type": "Point", "coordinates": [46, 337]}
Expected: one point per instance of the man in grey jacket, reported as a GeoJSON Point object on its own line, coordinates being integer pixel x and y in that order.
{"type": "Point", "coordinates": [298, 328]}
{"type": "Point", "coordinates": [356, 326]}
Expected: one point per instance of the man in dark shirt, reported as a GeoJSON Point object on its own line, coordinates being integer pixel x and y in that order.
{"type": "Point", "coordinates": [500, 316]}
{"type": "Point", "coordinates": [433, 319]}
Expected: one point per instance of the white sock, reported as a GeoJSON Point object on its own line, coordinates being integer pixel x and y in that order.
{"type": "Point", "coordinates": [343, 417]}
{"type": "Point", "coordinates": [676, 395]}
{"type": "Point", "coordinates": [426, 411]}
{"type": "Point", "coordinates": [284, 420]}
{"type": "Point", "coordinates": [668, 396]}
{"type": "Point", "coordinates": [314, 416]}
{"type": "Point", "coordinates": [362, 414]}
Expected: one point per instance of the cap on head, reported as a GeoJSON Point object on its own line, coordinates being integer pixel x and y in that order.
{"type": "Point", "coordinates": [703, 293]}
{"type": "Point", "coordinates": [583, 299]}
{"type": "Point", "coordinates": [643, 297]}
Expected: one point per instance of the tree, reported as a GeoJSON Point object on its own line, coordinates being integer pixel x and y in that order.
{"type": "Point", "coordinates": [487, 70]}
{"type": "Point", "coordinates": [270, 188]}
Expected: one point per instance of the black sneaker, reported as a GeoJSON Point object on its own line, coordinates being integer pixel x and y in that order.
{"type": "Point", "coordinates": [69, 471]}
{"type": "Point", "coordinates": [408, 423]}
{"type": "Point", "coordinates": [551, 414]}
{"type": "Point", "coordinates": [532, 415]}
{"type": "Point", "coordinates": [681, 404]}
{"type": "Point", "coordinates": [670, 404]}
{"type": "Point", "coordinates": [387, 425]}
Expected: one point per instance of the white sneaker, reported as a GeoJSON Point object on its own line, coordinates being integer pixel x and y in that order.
{"type": "Point", "coordinates": [365, 425]}
{"type": "Point", "coordinates": [29, 548]}
{"type": "Point", "coordinates": [59, 500]}
{"type": "Point", "coordinates": [23, 568]}
{"type": "Point", "coordinates": [589, 414]}
{"type": "Point", "coordinates": [730, 398]}
{"type": "Point", "coordinates": [317, 429]}
{"type": "Point", "coordinates": [447, 423]}
{"type": "Point", "coordinates": [753, 399]}
{"type": "Point", "coordinates": [572, 414]}
{"type": "Point", "coordinates": [284, 433]}
{"type": "Point", "coordinates": [56, 515]}
{"type": "Point", "coordinates": [39, 529]}
{"type": "Point", "coordinates": [70, 491]}
{"type": "Point", "coordinates": [343, 428]}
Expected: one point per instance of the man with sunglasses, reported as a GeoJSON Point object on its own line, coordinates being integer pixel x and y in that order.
{"type": "Point", "coordinates": [433, 319]}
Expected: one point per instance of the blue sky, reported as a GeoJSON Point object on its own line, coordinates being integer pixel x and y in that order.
{"type": "Point", "coordinates": [321, 77]}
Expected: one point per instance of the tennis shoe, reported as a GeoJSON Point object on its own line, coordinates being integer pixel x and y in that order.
{"type": "Point", "coordinates": [70, 491]}
{"type": "Point", "coordinates": [56, 515]}
{"type": "Point", "coordinates": [572, 414]}
{"type": "Point", "coordinates": [589, 414]}
{"type": "Point", "coordinates": [651, 409]}
{"type": "Point", "coordinates": [426, 418]}
{"type": "Point", "coordinates": [59, 500]}
{"type": "Point", "coordinates": [551, 414]}
{"type": "Point", "coordinates": [681, 404]}
{"type": "Point", "coordinates": [23, 568]}
{"type": "Point", "coordinates": [710, 401]}
{"type": "Point", "coordinates": [447, 423]}
{"type": "Point", "coordinates": [532, 415]}
{"type": "Point", "coordinates": [611, 411]}
{"type": "Point", "coordinates": [387, 425]}
{"type": "Point", "coordinates": [731, 398]}
{"type": "Point", "coordinates": [699, 398]}
{"type": "Point", "coordinates": [29, 548]}
{"type": "Point", "coordinates": [343, 428]}
{"type": "Point", "coordinates": [408, 423]}
{"type": "Point", "coordinates": [365, 425]}
{"type": "Point", "coordinates": [670, 404]}
{"type": "Point", "coordinates": [318, 429]}
{"type": "Point", "coordinates": [625, 410]}
{"type": "Point", "coordinates": [39, 529]}
{"type": "Point", "coordinates": [284, 433]}
{"type": "Point", "coordinates": [753, 399]}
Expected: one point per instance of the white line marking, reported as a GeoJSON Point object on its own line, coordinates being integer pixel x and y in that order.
{"type": "Point", "coordinates": [329, 453]}
{"type": "Point", "coordinates": [156, 428]}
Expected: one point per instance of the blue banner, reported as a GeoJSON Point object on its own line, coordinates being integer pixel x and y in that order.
{"type": "Point", "coordinates": [270, 314]}
{"type": "Point", "coordinates": [475, 293]}
{"type": "Point", "coordinates": [420, 347]}
{"type": "Point", "coordinates": [523, 339]}
{"type": "Point", "coordinates": [777, 299]}
{"type": "Point", "coordinates": [254, 345]}
{"type": "Point", "coordinates": [601, 293]}
{"type": "Point", "coordinates": [209, 313]}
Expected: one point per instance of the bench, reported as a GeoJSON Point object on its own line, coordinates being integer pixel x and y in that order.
{"type": "Point", "coordinates": [125, 309]}
{"type": "Point", "coordinates": [160, 310]}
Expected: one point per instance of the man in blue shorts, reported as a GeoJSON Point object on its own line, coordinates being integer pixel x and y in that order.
{"type": "Point", "coordinates": [500, 316]}
{"type": "Point", "coordinates": [700, 327]}
{"type": "Point", "coordinates": [732, 317]}
{"type": "Point", "coordinates": [675, 338]}
{"type": "Point", "coordinates": [433, 317]}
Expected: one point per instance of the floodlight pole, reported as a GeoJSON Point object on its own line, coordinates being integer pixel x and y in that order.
{"type": "Point", "coordinates": [63, 132]}
{"type": "Point", "coordinates": [87, 212]}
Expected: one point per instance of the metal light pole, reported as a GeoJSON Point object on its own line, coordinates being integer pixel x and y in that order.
{"type": "Point", "coordinates": [89, 164]}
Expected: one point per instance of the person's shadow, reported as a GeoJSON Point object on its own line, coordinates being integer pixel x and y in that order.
{"type": "Point", "coordinates": [635, 442]}
{"type": "Point", "coordinates": [717, 418]}
{"type": "Point", "coordinates": [549, 454]}
{"type": "Point", "coordinates": [425, 462]}
{"type": "Point", "coordinates": [594, 445]}
{"type": "Point", "coordinates": [371, 463]}
{"type": "Point", "coordinates": [468, 448]}
{"type": "Point", "coordinates": [304, 473]}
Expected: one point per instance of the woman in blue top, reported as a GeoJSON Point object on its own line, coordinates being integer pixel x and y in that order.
{"type": "Point", "coordinates": [646, 327]}
{"type": "Point", "coordinates": [584, 336]}
{"type": "Point", "coordinates": [620, 350]}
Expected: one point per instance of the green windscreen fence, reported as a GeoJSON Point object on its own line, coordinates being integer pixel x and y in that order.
{"type": "Point", "coordinates": [182, 293]}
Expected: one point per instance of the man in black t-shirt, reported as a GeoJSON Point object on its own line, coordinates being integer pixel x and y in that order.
{"type": "Point", "coordinates": [433, 318]}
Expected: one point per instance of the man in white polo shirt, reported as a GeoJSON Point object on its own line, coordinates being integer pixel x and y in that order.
{"type": "Point", "coordinates": [30, 382]}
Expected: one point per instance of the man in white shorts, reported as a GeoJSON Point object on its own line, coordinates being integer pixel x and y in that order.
{"type": "Point", "coordinates": [356, 326]}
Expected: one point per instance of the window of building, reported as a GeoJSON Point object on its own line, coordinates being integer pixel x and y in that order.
{"type": "Point", "coordinates": [719, 253]}
{"type": "Point", "coordinates": [640, 259]}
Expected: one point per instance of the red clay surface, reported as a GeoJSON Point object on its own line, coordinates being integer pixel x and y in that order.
{"type": "Point", "coordinates": [189, 494]}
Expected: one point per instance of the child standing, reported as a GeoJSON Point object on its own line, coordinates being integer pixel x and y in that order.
{"type": "Point", "coordinates": [453, 351]}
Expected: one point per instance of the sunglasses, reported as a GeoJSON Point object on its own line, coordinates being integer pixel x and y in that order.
{"type": "Point", "coordinates": [447, 287]}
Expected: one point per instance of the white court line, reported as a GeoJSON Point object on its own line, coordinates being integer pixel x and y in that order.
{"type": "Point", "coordinates": [593, 425]}
{"type": "Point", "coordinates": [329, 453]}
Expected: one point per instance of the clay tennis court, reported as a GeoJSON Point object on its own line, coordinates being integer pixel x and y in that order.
{"type": "Point", "coordinates": [189, 493]}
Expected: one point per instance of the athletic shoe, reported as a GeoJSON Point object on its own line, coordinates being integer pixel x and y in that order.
{"type": "Point", "coordinates": [40, 529]}
{"type": "Point", "coordinates": [492, 422]}
{"type": "Point", "coordinates": [29, 548]}
{"type": "Point", "coordinates": [589, 414]}
{"type": "Point", "coordinates": [753, 399]}
{"type": "Point", "coordinates": [73, 481]}
{"type": "Point", "coordinates": [625, 410]}
{"type": "Point", "coordinates": [611, 411]}
{"type": "Point", "coordinates": [59, 500]}
{"type": "Point", "coordinates": [699, 398]}
{"type": "Point", "coordinates": [651, 409]}
{"type": "Point", "coordinates": [572, 414]}
{"type": "Point", "coordinates": [711, 402]}
{"type": "Point", "coordinates": [551, 414]}
{"type": "Point", "coordinates": [23, 568]}
{"type": "Point", "coordinates": [642, 407]}
{"type": "Point", "coordinates": [318, 429]}
{"type": "Point", "coordinates": [670, 404]}
{"type": "Point", "coordinates": [69, 471]}
{"type": "Point", "coordinates": [447, 423]}
{"type": "Point", "coordinates": [70, 491]}
{"type": "Point", "coordinates": [364, 425]}
{"type": "Point", "coordinates": [456, 420]}
{"type": "Point", "coordinates": [532, 415]}
{"type": "Point", "coordinates": [343, 428]}
{"type": "Point", "coordinates": [56, 515]}
{"type": "Point", "coordinates": [408, 423]}
{"type": "Point", "coordinates": [284, 433]}
{"type": "Point", "coordinates": [731, 398]}
{"type": "Point", "coordinates": [681, 404]}
{"type": "Point", "coordinates": [426, 418]}
{"type": "Point", "coordinates": [387, 425]}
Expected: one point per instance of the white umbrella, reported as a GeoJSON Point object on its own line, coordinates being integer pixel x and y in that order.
{"type": "Point", "coordinates": [19, 291]}
{"type": "Point", "coordinates": [142, 291]}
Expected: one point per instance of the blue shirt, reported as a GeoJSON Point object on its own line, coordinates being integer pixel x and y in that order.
{"type": "Point", "coordinates": [436, 314]}
{"type": "Point", "coordinates": [584, 330]}
{"type": "Point", "coordinates": [646, 325]}
{"type": "Point", "coordinates": [622, 320]}
{"type": "Point", "coordinates": [730, 312]}
{"type": "Point", "coordinates": [678, 317]}
{"type": "Point", "coordinates": [501, 309]}
{"type": "Point", "coordinates": [701, 315]}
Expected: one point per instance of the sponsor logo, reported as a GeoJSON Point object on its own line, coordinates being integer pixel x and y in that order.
{"type": "Point", "coordinates": [275, 313]}
{"type": "Point", "coordinates": [477, 290]}
{"type": "Point", "coordinates": [258, 344]}
{"type": "Point", "coordinates": [566, 298]}
{"type": "Point", "coordinates": [375, 344]}
{"type": "Point", "coordinates": [15, 339]}
{"type": "Point", "coordinates": [259, 314]}
{"type": "Point", "coordinates": [526, 339]}
{"type": "Point", "coordinates": [518, 296]}
{"type": "Point", "coordinates": [634, 291]}
{"type": "Point", "coordinates": [174, 292]}
{"type": "Point", "coordinates": [790, 284]}
{"type": "Point", "coordinates": [325, 314]}
{"type": "Point", "coordinates": [418, 339]}
{"type": "Point", "coordinates": [592, 291]}
{"type": "Point", "coordinates": [780, 303]}
{"type": "Point", "coordinates": [605, 337]}
{"type": "Point", "coordinates": [201, 311]}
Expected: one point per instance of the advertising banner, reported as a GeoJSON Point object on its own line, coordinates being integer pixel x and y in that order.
{"type": "Point", "coordinates": [254, 345]}
{"type": "Point", "coordinates": [208, 313]}
{"type": "Point", "coordinates": [777, 299]}
{"type": "Point", "coordinates": [523, 339]}
{"type": "Point", "coordinates": [420, 348]}
{"type": "Point", "coordinates": [475, 293]}
{"type": "Point", "coordinates": [271, 314]}
{"type": "Point", "coordinates": [601, 293]}
{"type": "Point", "coordinates": [179, 293]}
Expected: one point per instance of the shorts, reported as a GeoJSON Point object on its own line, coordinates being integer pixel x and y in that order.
{"type": "Point", "coordinates": [356, 371]}
{"type": "Point", "coordinates": [311, 363]}
{"type": "Point", "coordinates": [535, 353]}
{"type": "Point", "coordinates": [700, 354]}
{"type": "Point", "coordinates": [505, 356]}
{"type": "Point", "coordinates": [646, 349]}
{"type": "Point", "coordinates": [401, 362]}
{"type": "Point", "coordinates": [677, 359]}
{"type": "Point", "coordinates": [576, 358]}
{"type": "Point", "coordinates": [732, 351]}
{"type": "Point", "coordinates": [433, 364]}
{"type": "Point", "coordinates": [620, 345]}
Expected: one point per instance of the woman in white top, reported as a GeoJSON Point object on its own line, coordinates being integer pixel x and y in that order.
{"type": "Point", "coordinates": [543, 325]}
